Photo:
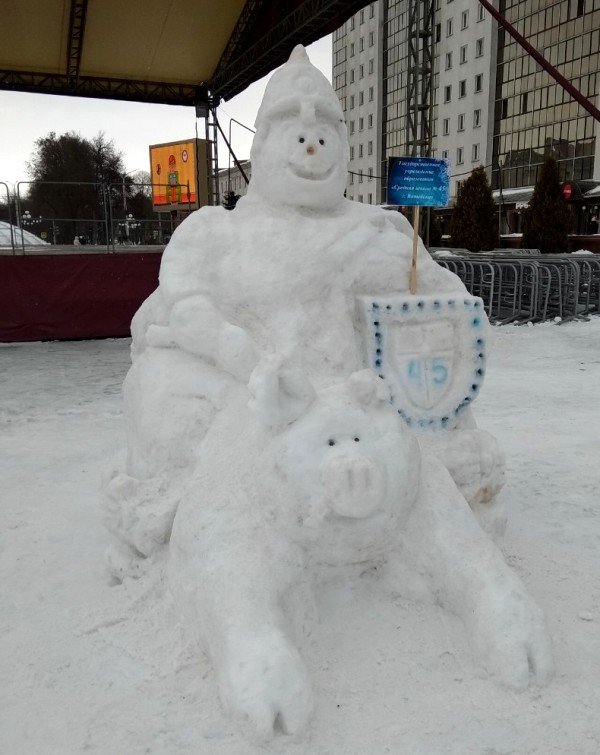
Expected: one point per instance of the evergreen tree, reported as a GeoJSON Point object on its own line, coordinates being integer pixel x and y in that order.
{"type": "Point", "coordinates": [230, 199]}
{"type": "Point", "coordinates": [547, 221]}
{"type": "Point", "coordinates": [474, 223]}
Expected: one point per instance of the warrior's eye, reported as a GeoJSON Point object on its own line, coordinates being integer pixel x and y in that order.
{"type": "Point", "coordinates": [331, 442]}
{"type": "Point", "coordinates": [321, 141]}
{"type": "Point", "coordinates": [356, 440]}
{"type": "Point", "coordinates": [301, 140]}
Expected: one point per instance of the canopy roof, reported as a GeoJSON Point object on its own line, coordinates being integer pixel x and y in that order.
{"type": "Point", "coordinates": [167, 51]}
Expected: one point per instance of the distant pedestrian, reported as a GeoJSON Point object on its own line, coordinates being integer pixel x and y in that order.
{"type": "Point", "coordinates": [76, 241]}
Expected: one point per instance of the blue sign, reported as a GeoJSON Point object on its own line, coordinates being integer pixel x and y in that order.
{"type": "Point", "coordinates": [422, 181]}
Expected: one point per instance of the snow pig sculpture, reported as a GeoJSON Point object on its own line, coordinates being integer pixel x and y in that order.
{"type": "Point", "coordinates": [292, 480]}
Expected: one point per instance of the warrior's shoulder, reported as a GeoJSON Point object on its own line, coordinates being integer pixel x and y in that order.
{"type": "Point", "coordinates": [379, 216]}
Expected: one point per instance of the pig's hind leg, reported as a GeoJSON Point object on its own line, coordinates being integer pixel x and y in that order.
{"type": "Point", "coordinates": [467, 573]}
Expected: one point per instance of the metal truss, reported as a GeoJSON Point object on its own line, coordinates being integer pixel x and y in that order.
{"type": "Point", "coordinates": [114, 89]}
{"type": "Point", "coordinates": [420, 78]}
{"type": "Point", "coordinates": [310, 20]}
{"type": "Point", "coordinates": [75, 42]}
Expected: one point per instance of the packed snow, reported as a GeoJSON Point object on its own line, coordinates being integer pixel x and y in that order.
{"type": "Point", "coordinates": [90, 666]}
{"type": "Point", "coordinates": [12, 235]}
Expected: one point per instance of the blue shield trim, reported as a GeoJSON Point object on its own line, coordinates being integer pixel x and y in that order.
{"type": "Point", "coordinates": [430, 350]}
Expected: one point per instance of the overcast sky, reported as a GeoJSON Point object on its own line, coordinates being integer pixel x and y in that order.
{"type": "Point", "coordinates": [131, 125]}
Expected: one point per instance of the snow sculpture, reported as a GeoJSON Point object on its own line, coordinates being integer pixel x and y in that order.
{"type": "Point", "coordinates": [259, 446]}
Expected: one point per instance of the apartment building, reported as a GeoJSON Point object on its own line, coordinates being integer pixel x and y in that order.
{"type": "Point", "coordinates": [492, 105]}
{"type": "Point", "coordinates": [357, 80]}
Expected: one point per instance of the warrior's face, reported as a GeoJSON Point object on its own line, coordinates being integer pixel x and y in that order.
{"type": "Point", "coordinates": [300, 156]}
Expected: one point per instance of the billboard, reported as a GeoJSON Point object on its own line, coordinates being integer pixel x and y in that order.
{"type": "Point", "coordinates": [179, 174]}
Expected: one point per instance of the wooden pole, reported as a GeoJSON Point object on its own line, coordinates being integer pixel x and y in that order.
{"type": "Point", "coordinates": [412, 280]}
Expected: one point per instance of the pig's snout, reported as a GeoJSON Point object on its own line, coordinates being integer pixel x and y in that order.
{"type": "Point", "coordinates": [355, 485]}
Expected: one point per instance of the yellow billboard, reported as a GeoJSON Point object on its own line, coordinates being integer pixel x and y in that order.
{"type": "Point", "coordinates": [179, 174]}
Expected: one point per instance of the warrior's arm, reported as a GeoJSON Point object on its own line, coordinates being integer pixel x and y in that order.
{"type": "Point", "coordinates": [187, 276]}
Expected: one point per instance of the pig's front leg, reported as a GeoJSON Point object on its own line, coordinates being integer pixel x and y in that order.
{"type": "Point", "coordinates": [229, 576]}
{"type": "Point", "coordinates": [467, 572]}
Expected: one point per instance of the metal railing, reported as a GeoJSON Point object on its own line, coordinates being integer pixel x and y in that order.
{"type": "Point", "coordinates": [93, 217]}
{"type": "Point", "coordinates": [529, 287]}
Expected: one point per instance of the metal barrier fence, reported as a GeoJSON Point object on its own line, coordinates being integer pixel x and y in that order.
{"type": "Point", "coordinates": [531, 287]}
{"type": "Point", "coordinates": [92, 215]}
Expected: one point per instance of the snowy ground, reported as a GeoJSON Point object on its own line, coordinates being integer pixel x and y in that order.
{"type": "Point", "coordinates": [90, 667]}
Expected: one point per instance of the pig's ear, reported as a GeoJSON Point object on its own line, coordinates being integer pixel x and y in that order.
{"type": "Point", "coordinates": [368, 389]}
{"type": "Point", "coordinates": [279, 392]}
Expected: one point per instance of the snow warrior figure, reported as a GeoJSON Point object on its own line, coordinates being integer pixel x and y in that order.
{"type": "Point", "coordinates": [253, 423]}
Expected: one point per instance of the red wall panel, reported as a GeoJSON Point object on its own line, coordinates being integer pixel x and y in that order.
{"type": "Point", "coordinates": [53, 297]}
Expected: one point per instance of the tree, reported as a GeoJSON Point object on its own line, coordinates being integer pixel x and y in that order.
{"type": "Point", "coordinates": [547, 221]}
{"type": "Point", "coordinates": [230, 199]}
{"type": "Point", "coordinates": [474, 224]}
{"type": "Point", "coordinates": [67, 172]}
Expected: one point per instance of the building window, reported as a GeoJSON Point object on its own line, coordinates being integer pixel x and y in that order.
{"type": "Point", "coordinates": [370, 199]}
{"type": "Point", "coordinates": [525, 102]}
{"type": "Point", "coordinates": [476, 118]}
{"type": "Point", "coordinates": [448, 93]}
{"type": "Point", "coordinates": [371, 38]}
{"type": "Point", "coordinates": [504, 109]}
{"type": "Point", "coordinates": [464, 19]}
{"type": "Point", "coordinates": [463, 54]}
{"type": "Point", "coordinates": [351, 127]}
{"type": "Point", "coordinates": [446, 126]}
{"type": "Point", "coordinates": [362, 17]}
{"type": "Point", "coordinates": [370, 148]}
{"type": "Point", "coordinates": [370, 94]}
{"type": "Point", "coordinates": [370, 120]}
{"type": "Point", "coordinates": [352, 75]}
{"type": "Point", "coordinates": [351, 102]}
{"type": "Point", "coordinates": [462, 88]}
{"type": "Point", "coordinates": [580, 8]}
{"type": "Point", "coordinates": [370, 174]}
{"type": "Point", "coordinates": [449, 27]}
{"type": "Point", "coordinates": [360, 179]}
{"type": "Point", "coordinates": [480, 12]}
{"type": "Point", "coordinates": [361, 44]}
{"type": "Point", "coordinates": [475, 153]}
{"type": "Point", "coordinates": [352, 49]}
{"type": "Point", "coordinates": [361, 98]}
{"type": "Point", "coordinates": [445, 154]}
{"type": "Point", "coordinates": [479, 82]}
{"type": "Point", "coordinates": [361, 72]}
{"type": "Point", "coordinates": [479, 48]}
{"type": "Point", "coordinates": [360, 150]}
{"type": "Point", "coordinates": [351, 180]}
{"type": "Point", "coordinates": [352, 153]}
{"type": "Point", "coordinates": [361, 124]}
{"type": "Point", "coordinates": [461, 122]}
{"type": "Point", "coordinates": [351, 23]}
{"type": "Point", "coordinates": [372, 10]}
{"type": "Point", "coordinates": [371, 64]}
{"type": "Point", "coordinates": [459, 156]}
{"type": "Point", "coordinates": [448, 61]}
{"type": "Point", "coordinates": [438, 32]}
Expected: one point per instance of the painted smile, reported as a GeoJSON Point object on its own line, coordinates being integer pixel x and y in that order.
{"type": "Point", "coordinates": [310, 175]}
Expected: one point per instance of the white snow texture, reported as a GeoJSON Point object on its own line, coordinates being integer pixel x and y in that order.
{"type": "Point", "coordinates": [266, 455]}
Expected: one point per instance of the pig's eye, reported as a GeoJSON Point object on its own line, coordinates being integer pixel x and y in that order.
{"type": "Point", "coordinates": [331, 442]}
{"type": "Point", "coordinates": [356, 440]}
